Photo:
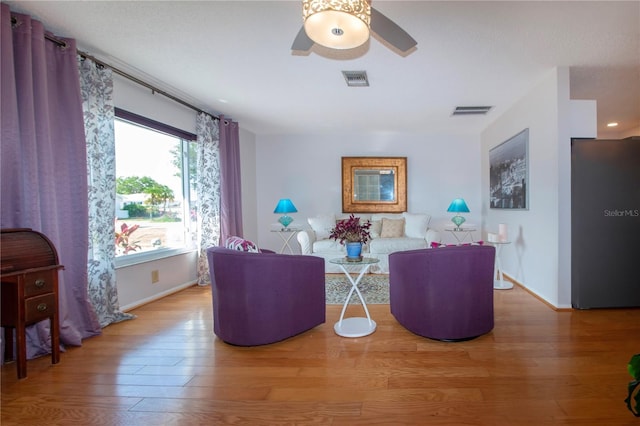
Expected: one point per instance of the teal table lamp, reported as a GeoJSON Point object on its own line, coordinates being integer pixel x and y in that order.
{"type": "Point", "coordinates": [285, 206]}
{"type": "Point", "coordinates": [458, 206]}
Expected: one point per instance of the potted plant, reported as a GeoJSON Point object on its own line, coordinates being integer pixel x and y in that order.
{"type": "Point", "coordinates": [352, 233]}
{"type": "Point", "coordinates": [123, 245]}
{"type": "Point", "coordinates": [633, 400]}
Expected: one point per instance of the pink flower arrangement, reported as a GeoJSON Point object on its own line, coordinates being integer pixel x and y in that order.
{"type": "Point", "coordinates": [351, 230]}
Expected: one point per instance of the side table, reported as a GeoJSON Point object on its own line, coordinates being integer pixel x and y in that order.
{"type": "Point", "coordinates": [28, 291]}
{"type": "Point", "coordinates": [286, 234]}
{"type": "Point", "coordinates": [356, 326]}
{"type": "Point", "coordinates": [499, 282]}
{"type": "Point", "coordinates": [462, 234]}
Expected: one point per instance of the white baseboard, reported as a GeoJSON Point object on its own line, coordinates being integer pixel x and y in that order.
{"type": "Point", "coordinates": [156, 296]}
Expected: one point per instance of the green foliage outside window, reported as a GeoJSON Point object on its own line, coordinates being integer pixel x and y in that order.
{"type": "Point", "coordinates": [159, 195]}
{"type": "Point", "coordinates": [136, 210]}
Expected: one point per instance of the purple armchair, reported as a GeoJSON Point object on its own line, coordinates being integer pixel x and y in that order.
{"type": "Point", "coordinates": [261, 298]}
{"type": "Point", "coordinates": [443, 293]}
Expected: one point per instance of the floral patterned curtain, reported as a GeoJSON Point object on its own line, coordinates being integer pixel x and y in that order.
{"type": "Point", "coordinates": [96, 85]}
{"type": "Point", "coordinates": [208, 134]}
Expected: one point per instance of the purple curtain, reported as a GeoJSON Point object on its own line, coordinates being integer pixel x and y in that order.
{"type": "Point", "coordinates": [230, 185]}
{"type": "Point", "coordinates": [44, 165]}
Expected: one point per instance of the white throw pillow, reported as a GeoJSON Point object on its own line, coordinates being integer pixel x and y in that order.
{"type": "Point", "coordinates": [322, 225]}
{"type": "Point", "coordinates": [376, 228]}
{"type": "Point", "coordinates": [416, 225]}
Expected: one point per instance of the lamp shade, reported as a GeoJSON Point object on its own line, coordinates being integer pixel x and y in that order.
{"type": "Point", "coordinates": [285, 206]}
{"type": "Point", "coordinates": [458, 206]}
{"type": "Point", "coordinates": [337, 24]}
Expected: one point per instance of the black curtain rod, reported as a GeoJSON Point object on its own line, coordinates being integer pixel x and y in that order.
{"type": "Point", "coordinates": [144, 84]}
{"type": "Point", "coordinates": [63, 44]}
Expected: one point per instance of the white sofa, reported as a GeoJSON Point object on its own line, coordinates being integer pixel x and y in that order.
{"type": "Point", "coordinates": [389, 232]}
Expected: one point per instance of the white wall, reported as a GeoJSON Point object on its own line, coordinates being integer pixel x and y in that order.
{"type": "Point", "coordinates": [134, 282]}
{"type": "Point", "coordinates": [307, 169]}
{"type": "Point", "coordinates": [532, 258]}
{"type": "Point", "coordinates": [540, 254]}
{"type": "Point", "coordinates": [582, 113]}
{"type": "Point", "coordinates": [135, 98]}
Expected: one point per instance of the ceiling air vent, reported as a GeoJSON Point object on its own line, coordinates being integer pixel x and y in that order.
{"type": "Point", "coordinates": [471, 110]}
{"type": "Point", "coordinates": [356, 78]}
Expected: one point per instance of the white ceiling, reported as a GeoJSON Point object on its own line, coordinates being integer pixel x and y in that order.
{"type": "Point", "coordinates": [234, 57]}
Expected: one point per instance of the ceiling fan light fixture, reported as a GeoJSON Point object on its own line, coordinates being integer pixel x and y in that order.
{"type": "Point", "coordinates": [337, 24]}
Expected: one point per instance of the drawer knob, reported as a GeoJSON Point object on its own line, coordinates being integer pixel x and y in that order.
{"type": "Point", "coordinates": [39, 283]}
{"type": "Point", "coordinates": [41, 307]}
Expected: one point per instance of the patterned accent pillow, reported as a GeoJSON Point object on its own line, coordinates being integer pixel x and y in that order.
{"type": "Point", "coordinates": [392, 228]}
{"type": "Point", "coordinates": [237, 243]}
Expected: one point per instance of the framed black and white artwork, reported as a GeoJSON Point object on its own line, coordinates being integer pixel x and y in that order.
{"type": "Point", "coordinates": [509, 173]}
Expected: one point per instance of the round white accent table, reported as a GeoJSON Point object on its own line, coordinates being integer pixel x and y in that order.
{"type": "Point", "coordinates": [499, 283]}
{"type": "Point", "coordinates": [286, 234]}
{"type": "Point", "coordinates": [356, 326]}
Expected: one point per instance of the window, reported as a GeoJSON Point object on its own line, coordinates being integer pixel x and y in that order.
{"type": "Point", "coordinates": [155, 189]}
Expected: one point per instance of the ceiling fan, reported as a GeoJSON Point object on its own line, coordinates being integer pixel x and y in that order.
{"type": "Point", "coordinates": [346, 24]}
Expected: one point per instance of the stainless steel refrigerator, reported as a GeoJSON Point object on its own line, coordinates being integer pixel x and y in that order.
{"type": "Point", "coordinates": [605, 223]}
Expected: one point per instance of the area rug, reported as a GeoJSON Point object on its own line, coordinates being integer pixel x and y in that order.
{"type": "Point", "coordinates": [374, 289]}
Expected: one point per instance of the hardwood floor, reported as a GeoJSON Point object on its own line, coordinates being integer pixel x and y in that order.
{"type": "Point", "coordinates": [537, 367]}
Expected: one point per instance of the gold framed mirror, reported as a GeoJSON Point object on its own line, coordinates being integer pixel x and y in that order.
{"type": "Point", "coordinates": [374, 184]}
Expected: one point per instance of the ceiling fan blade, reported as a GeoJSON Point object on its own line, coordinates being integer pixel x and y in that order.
{"type": "Point", "coordinates": [391, 32]}
{"type": "Point", "coordinates": [302, 41]}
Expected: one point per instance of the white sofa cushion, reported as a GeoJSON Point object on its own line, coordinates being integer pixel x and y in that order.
{"type": "Point", "coordinates": [322, 225]}
{"type": "Point", "coordinates": [416, 225]}
{"type": "Point", "coordinates": [327, 246]}
{"type": "Point", "coordinates": [389, 245]}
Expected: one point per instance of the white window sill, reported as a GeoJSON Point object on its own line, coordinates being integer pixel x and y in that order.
{"type": "Point", "coordinates": [149, 256]}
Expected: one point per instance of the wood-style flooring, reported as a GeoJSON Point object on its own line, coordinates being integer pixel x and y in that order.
{"type": "Point", "coordinates": [538, 367]}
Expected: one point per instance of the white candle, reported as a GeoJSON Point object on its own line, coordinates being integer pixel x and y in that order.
{"type": "Point", "coordinates": [502, 232]}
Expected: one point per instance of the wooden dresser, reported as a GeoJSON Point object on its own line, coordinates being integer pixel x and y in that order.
{"type": "Point", "coordinates": [29, 290]}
